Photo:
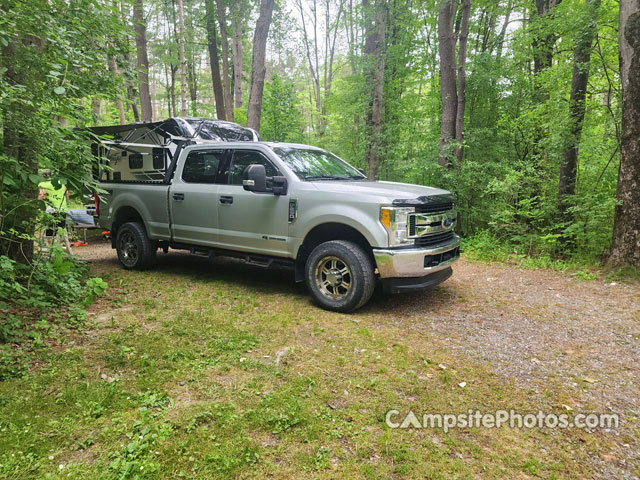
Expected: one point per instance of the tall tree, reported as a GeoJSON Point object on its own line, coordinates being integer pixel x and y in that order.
{"type": "Point", "coordinates": [374, 52]}
{"type": "Point", "coordinates": [16, 146]}
{"type": "Point", "coordinates": [452, 85]}
{"type": "Point", "coordinates": [226, 75]}
{"type": "Point", "coordinates": [212, 36]}
{"type": "Point", "coordinates": [183, 61]}
{"type": "Point", "coordinates": [320, 61]}
{"type": "Point", "coordinates": [114, 69]}
{"type": "Point", "coordinates": [258, 69]}
{"type": "Point", "coordinates": [193, 59]}
{"type": "Point", "coordinates": [462, 77]}
{"type": "Point", "coordinates": [581, 65]}
{"type": "Point", "coordinates": [236, 51]}
{"type": "Point", "coordinates": [543, 38]}
{"type": "Point", "coordinates": [140, 27]}
{"type": "Point", "coordinates": [543, 41]}
{"type": "Point", "coordinates": [626, 231]}
{"type": "Point", "coordinates": [132, 101]}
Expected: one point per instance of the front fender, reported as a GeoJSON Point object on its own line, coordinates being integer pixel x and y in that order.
{"type": "Point", "coordinates": [363, 218]}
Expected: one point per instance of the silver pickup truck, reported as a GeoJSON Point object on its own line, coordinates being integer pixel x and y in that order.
{"type": "Point", "coordinates": [283, 203]}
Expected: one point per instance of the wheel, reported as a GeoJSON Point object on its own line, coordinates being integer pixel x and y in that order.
{"type": "Point", "coordinates": [135, 250]}
{"type": "Point", "coordinates": [339, 275]}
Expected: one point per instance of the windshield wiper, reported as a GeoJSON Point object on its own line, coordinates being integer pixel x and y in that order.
{"type": "Point", "coordinates": [334, 177]}
{"type": "Point", "coordinates": [325, 177]}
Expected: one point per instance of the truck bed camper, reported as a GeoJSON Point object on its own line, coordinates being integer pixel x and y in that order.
{"type": "Point", "coordinates": [146, 152]}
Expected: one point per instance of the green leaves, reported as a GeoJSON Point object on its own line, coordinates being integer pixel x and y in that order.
{"type": "Point", "coordinates": [96, 286]}
{"type": "Point", "coordinates": [59, 90]}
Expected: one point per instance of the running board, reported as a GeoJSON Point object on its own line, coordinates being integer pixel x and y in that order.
{"type": "Point", "coordinates": [201, 253]}
{"type": "Point", "coordinates": [258, 261]}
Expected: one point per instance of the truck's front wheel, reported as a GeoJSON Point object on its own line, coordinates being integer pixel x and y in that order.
{"type": "Point", "coordinates": [135, 250]}
{"type": "Point", "coordinates": [340, 276]}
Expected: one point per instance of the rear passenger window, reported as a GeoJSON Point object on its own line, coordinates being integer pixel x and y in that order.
{"type": "Point", "coordinates": [242, 159]}
{"type": "Point", "coordinates": [202, 166]}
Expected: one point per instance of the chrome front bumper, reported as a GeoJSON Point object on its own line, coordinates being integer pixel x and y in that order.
{"type": "Point", "coordinates": [412, 262]}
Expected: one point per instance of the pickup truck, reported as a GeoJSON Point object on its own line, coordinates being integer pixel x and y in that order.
{"type": "Point", "coordinates": [274, 203]}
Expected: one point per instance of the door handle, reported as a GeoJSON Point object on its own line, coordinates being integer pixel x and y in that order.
{"type": "Point", "coordinates": [178, 196]}
{"type": "Point", "coordinates": [227, 199]}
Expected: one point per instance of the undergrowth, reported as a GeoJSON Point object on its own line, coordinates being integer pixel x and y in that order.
{"type": "Point", "coordinates": [39, 303]}
{"type": "Point", "coordinates": [486, 246]}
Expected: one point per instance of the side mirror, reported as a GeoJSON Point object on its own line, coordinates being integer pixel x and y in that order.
{"type": "Point", "coordinates": [255, 179]}
{"type": "Point", "coordinates": [363, 171]}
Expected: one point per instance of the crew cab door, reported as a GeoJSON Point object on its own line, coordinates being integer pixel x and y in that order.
{"type": "Point", "coordinates": [193, 197]}
{"type": "Point", "coordinates": [248, 221]}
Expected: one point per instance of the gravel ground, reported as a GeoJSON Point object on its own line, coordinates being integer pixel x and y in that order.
{"type": "Point", "coordinates": [545, 330]}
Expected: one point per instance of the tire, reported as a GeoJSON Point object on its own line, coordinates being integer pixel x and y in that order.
{"type": "Point", "coordinates": [135, 250]}
{"type": "Point", "coordinates": [340, 276]}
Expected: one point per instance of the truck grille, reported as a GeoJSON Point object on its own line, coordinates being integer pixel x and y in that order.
{"type": "Point", "coordinates": [434, 208]}
{"type": "Point", "coordinates": [427, 224]}
{"type": "Point", "coordinates": [434, 239]}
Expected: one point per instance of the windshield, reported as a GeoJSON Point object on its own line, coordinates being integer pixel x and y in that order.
{"type": "Point", "coordinates": [311, 164]}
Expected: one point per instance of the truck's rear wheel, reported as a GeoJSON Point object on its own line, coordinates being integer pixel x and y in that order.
{"type": "Point", "coordinates": [340, 276]}
{"type": "Point", "coordinates": [135, 250]}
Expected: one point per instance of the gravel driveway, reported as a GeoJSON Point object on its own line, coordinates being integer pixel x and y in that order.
{"type": "Point", "coordinates": [548, 332]}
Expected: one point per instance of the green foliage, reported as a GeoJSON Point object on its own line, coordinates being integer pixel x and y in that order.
{"type": "Point", "coordinates": [515, 130]}
{"type": "Point", "coordinates": [281, 120]}
{"type": "Point", "coordinates": [95, 286]}
{"type": "Point", "coordinates": [44, 298]}
{"type": "Point", "coordinates": [625, 274]}
{"type": "Point", "coordinates": [51, 67]}
{"type": "Point", "coordinates": [136, 459]}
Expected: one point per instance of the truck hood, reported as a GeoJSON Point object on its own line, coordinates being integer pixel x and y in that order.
{"type": "Point", "coordinates": [383, 192]}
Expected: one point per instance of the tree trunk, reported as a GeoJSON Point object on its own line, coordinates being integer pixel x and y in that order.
{"type": "Point", "coordinates": [626, 231]}
{"type": "Point", "coordinates": [313, 65]}
{"type": "Point", "coordinates": [212, 35]}
{"type": "Point", "coordinates": [183, 61]}
{"type": "Point", "coordinates": [192, 66]}
{"type": "Point", "coordinates": [96, 105]}
{"type": "Point", "coordinates": [119, 104]}
{"type": "Point", "coordinates": [226, 76]}
{"type": "Point", "coordinates": [375, 51]}
{"type": "Point", "coordinates": [192, 83]}
{"type": "Point", "coordinates": [462, 78]}
{"type": "Point", "coordinates": [174, 70]}
{"type": "Point", "coordinates": [168, 84]}
{"type": "Point", "coordinates": [133, 103]}
{"type": "Point", "coordinates": [154, 100]}
{"type": "Point", "coordinates": [503, 30]}
{"type": "Point", "coordinates": [258, 69]}
{"type": "Point", "coordinates": [581, 64]}
{"type": "Point", "coordinates": [349, 32]}
{"type": "Point", "coordinates": [543, 42]}
{"type": "Point", "coordinates": [18, 246]}
{"type": "Point", "coordinates": [448, 91]}
{"type": "Point", "coordinates": [132, 99]}
{"type": "Point", "coordinates": [236, 52]}
{"type": "Point", "coordinates": [143, 61]}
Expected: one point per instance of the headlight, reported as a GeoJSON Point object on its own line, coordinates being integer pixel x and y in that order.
{"type": "Point", "coordinates": [395, 221]}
